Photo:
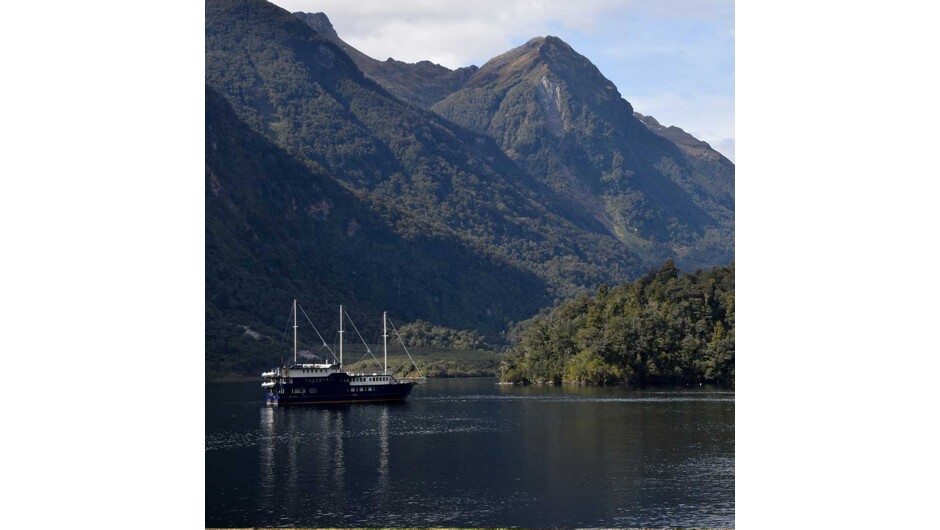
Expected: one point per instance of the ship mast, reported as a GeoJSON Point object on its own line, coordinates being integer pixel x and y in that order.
{"type": "Point", "coordinates": [295, 330]}
{"type": "Point", "coordinates": [385, 340]}
{"type": "Point", "coordinates": [341, 337]}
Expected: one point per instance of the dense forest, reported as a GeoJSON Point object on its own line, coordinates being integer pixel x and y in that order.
{"type": "Point", "coordinates": [665, 327]}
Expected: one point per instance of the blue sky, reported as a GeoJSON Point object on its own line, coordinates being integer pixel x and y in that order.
{"type": "Point", "coordinates": [672, 59]}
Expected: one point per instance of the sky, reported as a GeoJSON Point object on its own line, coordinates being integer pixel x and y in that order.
{"type": "Point", "coordinates": [671, 59]}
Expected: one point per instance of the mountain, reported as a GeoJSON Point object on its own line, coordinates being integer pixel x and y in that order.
{"type": "Point", "coordinates": [551, 110]}
{"type": "Point", "coordinates": [672, 199]}
{"type": "Point", "coordinates": [306, 95]}
{"type": "Point", "coordinates": [423, 83]}
{"type": "Point", "coordinates": [530, 182]}
{"type": "Point", "coordinates": [706, 161]}
{"type": "Point", "coordinates": [277, 229]}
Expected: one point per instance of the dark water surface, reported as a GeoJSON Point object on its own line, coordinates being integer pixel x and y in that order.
{"type": "Point", "coordinates": [472, 453]}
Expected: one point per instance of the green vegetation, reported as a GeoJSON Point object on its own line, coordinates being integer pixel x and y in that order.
{"type": "Point", "coordinates": [432, 362]}
{"type": "Point", "coordinates": [240, 356]}
{"type": "Point", "coordinates": [665, 327]}
{"type": "Point", "coordinates": [276, 230]}
{"type": "Point", "coordinates": [423, 334]}
{"type": "Point", "coordinates": [421, 173]}
{"type": "Point", "coordinates": [322, 185]}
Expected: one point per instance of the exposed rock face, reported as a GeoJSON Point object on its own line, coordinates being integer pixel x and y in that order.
{"type": "Point", "coordinates": [320, 23]}
{"type": "Point", "coordinates": [662, 195]}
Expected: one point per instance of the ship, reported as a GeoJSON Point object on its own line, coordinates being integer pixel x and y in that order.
{"type": "Point", "coordinates": [326, 383]}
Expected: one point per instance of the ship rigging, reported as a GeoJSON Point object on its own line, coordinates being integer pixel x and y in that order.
{"type": "Point", "coordinates": [320, 383]}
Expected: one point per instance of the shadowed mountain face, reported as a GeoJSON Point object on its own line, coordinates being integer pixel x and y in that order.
{"type": "Point", "coordinates": [276, 230]}
{"type": "Point", "coordinates": [423, 83]}
{"type": "Point", "coordinates": [552, 111]}
{"type": "Point", "coordinates": [710, 167]}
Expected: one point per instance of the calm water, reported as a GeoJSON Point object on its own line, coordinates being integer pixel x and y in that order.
{"type": "Point", "coordinates": [473, 453]}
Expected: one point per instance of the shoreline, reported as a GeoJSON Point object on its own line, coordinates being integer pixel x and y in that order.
{"type": "Point", "coordinates": [256, 379]}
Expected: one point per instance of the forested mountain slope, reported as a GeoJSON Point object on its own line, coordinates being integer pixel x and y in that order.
{"type": "Point", "coordinates": [277, 230]}
{"type": "Point", "coordinates": [551, 110]}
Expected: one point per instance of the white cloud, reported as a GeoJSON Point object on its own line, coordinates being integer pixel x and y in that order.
{"type": "Point", "coordinates": [453, 34]}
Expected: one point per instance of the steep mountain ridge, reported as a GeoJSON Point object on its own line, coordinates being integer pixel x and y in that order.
{"type": "Point", "coordinates": [423, 83]}
{"type": "Point", "coordinates": [712, 168]}
{"type": "Point", "coordinates": [662, 195]}
{"type": "Point", "coordinates": [552, 111]}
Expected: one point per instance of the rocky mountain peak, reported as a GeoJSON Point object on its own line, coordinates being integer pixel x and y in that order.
{"type": "Point", "coordinates": [319, 22]}
{"type": "Point", "coordinates": [546, 43]}
{"type": "Point", "coordinates": [541, 56]}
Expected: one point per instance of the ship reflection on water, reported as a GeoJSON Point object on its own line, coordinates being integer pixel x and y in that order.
{"type": "Point", "coordinates": [302, 448]}
{"type": "Point", "coordinates": [470, 453]}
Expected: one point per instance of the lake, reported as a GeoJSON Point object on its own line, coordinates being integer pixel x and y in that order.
{"type": "Point", "coordinates": [469, 452]}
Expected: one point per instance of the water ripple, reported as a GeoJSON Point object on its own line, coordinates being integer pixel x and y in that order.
{"type": "Point", "coordinates": [578, 399]}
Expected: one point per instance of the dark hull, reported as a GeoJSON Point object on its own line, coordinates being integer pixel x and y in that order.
{"type": "Point", "coordinates": [309, 401]}
{"type": "Point", "coordinates": [339, 393]}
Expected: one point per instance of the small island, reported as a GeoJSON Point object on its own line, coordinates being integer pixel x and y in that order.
{"type": "Point", "coordinates": [666, 327]}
